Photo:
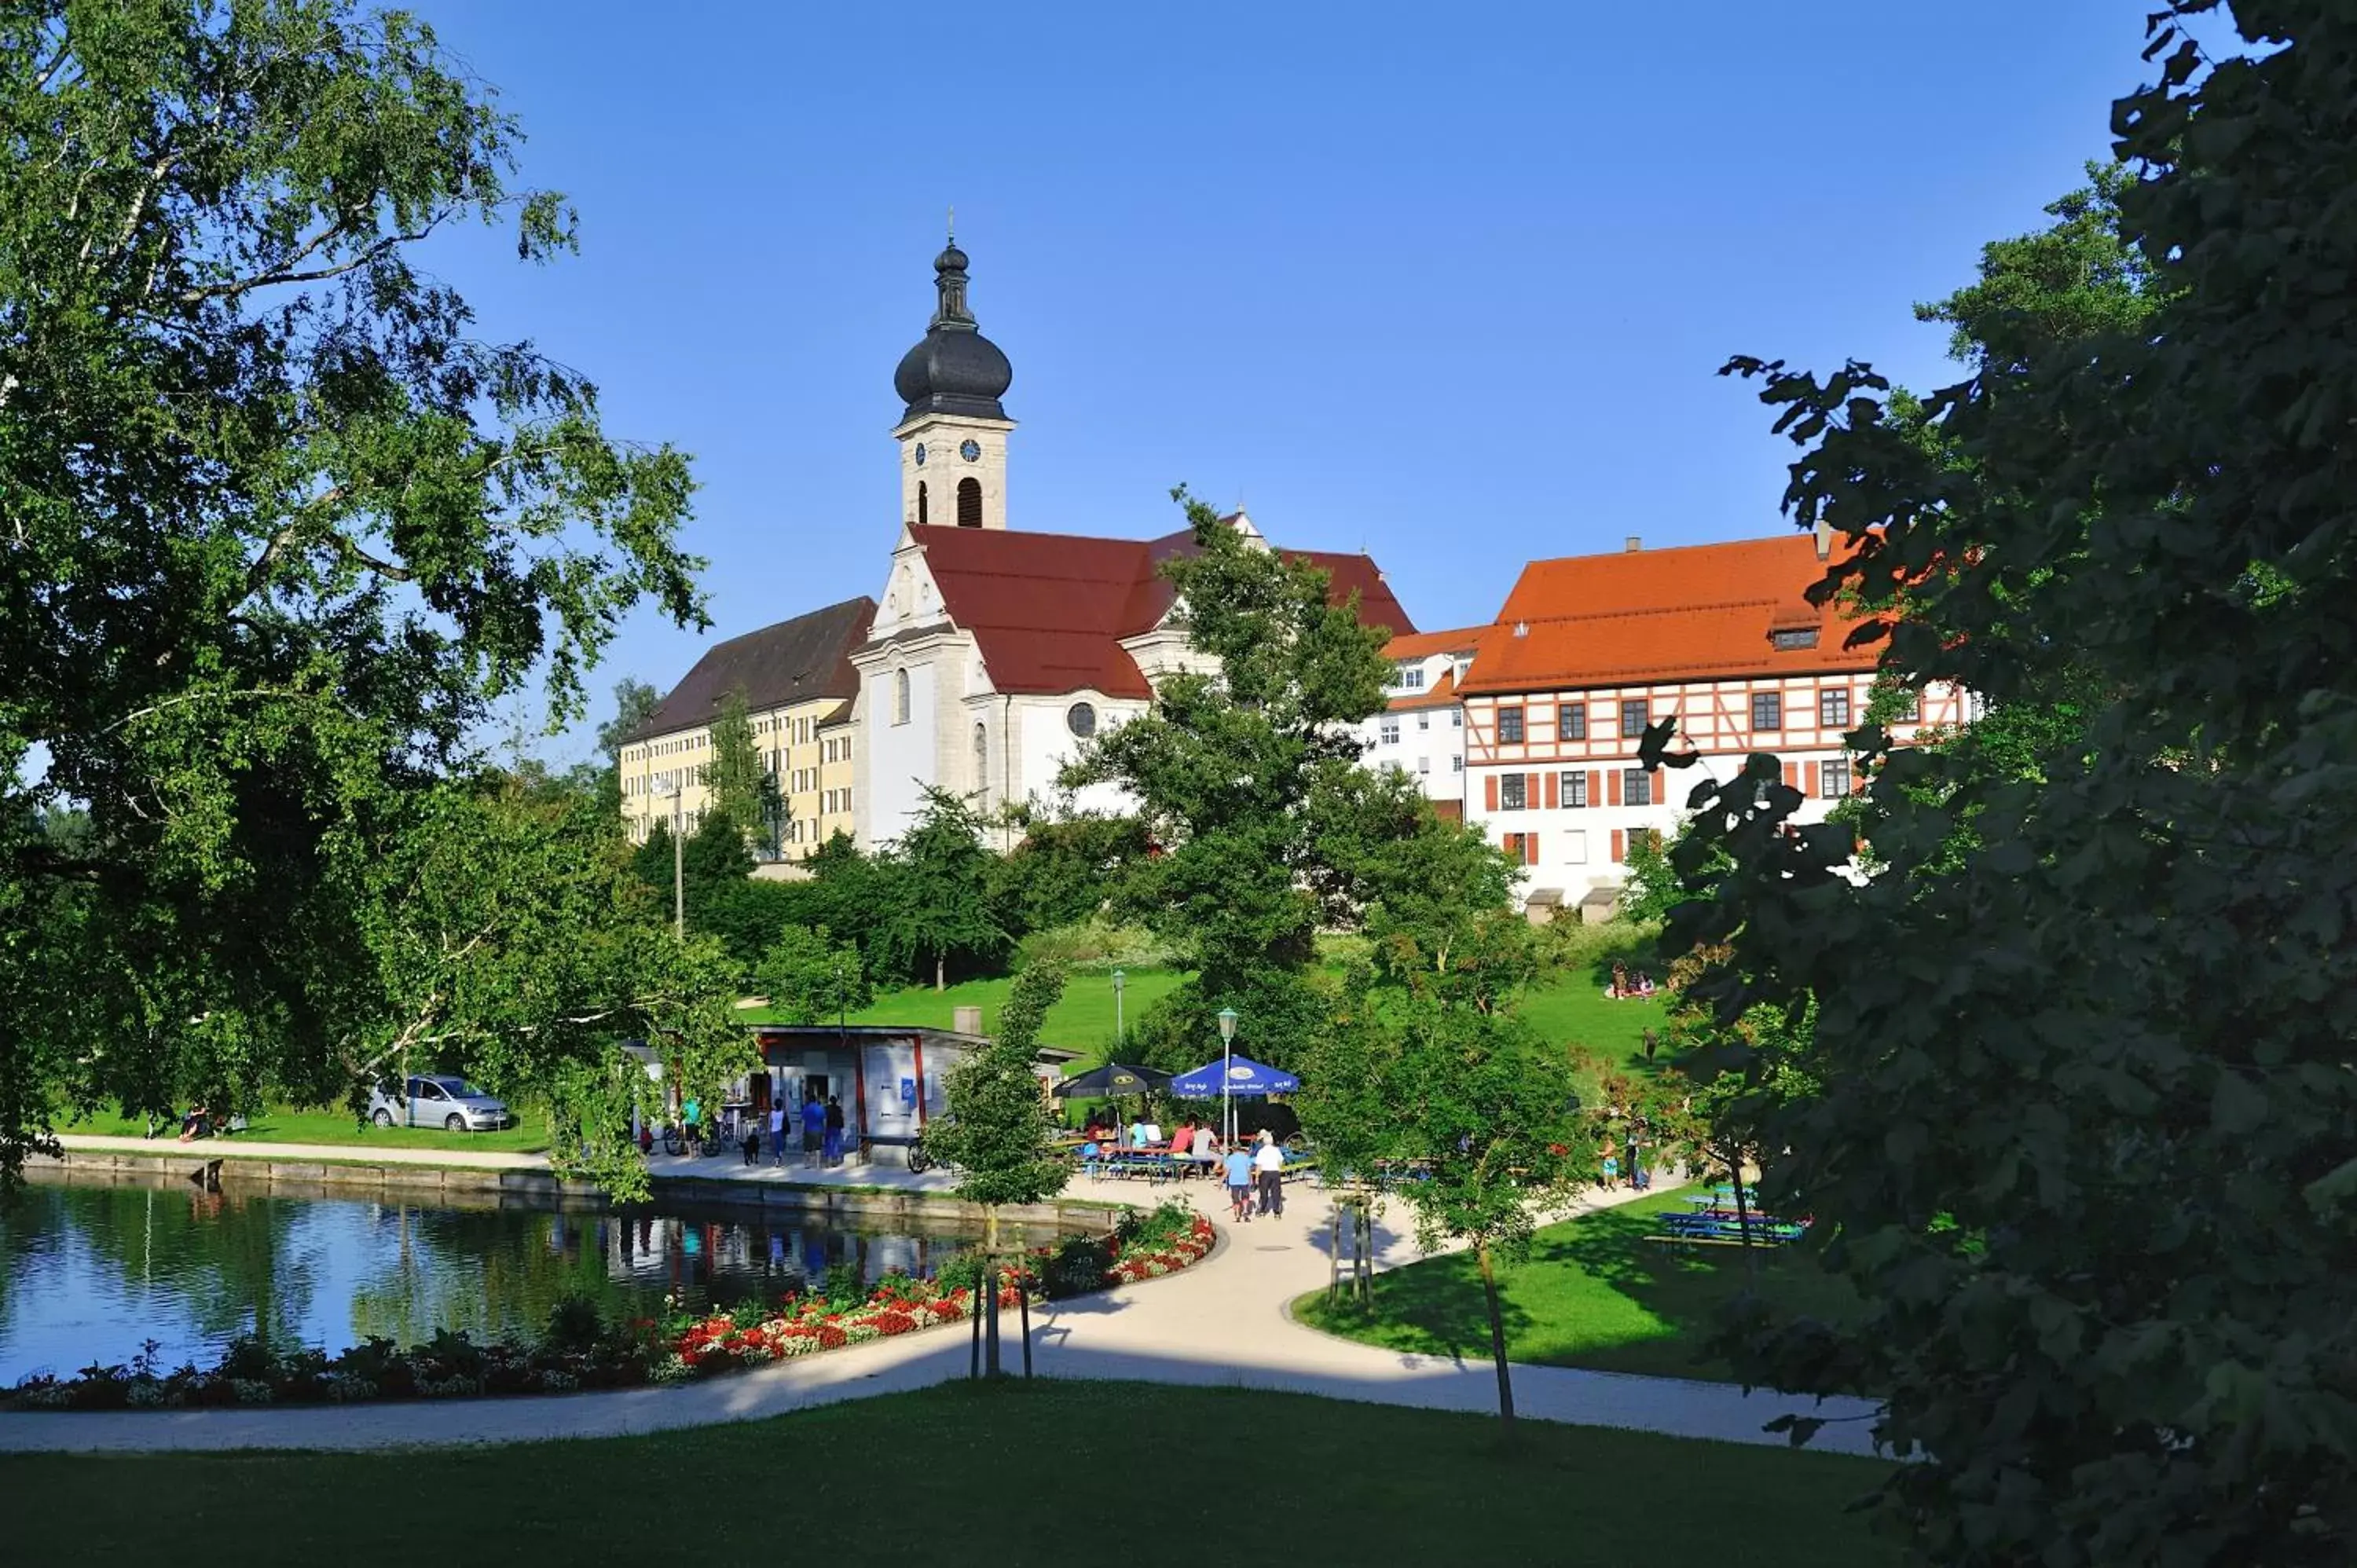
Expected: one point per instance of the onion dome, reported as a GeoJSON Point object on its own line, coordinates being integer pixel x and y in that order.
{"type": "Point", "coordinates": [956, 370]}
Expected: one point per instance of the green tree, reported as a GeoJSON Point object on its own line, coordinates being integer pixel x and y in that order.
{"type": "Point", "coordinates": [733, 777]}
{"type": "Point", "coordinates": [2077, 1118]}
{"type": "Point", "coordinates": [808, 976]}
{"type": "Point", "coordinates": [996, 1129]}
{"type": "Point", "coordinates": [1062, 871]}
{"type": "Point", "coordinates": [635, 702]}
{"type": "Point", "coordinates": [1487, 1113]}
{"type": "Point", "coordinates": [286, 522]}
{"type": "Point", "coordinates": [937, 881]}
{"type": "Point", "coordinates": [1231, 769]}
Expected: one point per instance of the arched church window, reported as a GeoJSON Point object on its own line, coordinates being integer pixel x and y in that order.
{"type": "Point", "coordinates": [899, 696]}
{"type": "Point", "coordinates": [969, 504]}
{"type": "Point", "coordinates": [924, 512]}
{"type": "Point", "coordinates": [981, 762]}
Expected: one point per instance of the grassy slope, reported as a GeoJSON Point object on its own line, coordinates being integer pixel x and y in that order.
{"type": "Point", "coordinates": [1573, 1012]}
{"type": "Point", "coordinates": [959, 1471]}
{"type": "Point", "coordinates": [1594, 1294]}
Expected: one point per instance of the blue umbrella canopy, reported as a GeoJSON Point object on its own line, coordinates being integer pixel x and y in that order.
{"type": "Point", "coordinates": [1244, 1078]}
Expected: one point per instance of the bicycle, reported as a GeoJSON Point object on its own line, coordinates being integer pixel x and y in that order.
{"type": "Point", "coordinates": [673, 1141]}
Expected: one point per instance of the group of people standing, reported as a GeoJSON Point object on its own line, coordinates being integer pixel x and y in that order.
{"type": "Point", "coordinates": [820, 1124]}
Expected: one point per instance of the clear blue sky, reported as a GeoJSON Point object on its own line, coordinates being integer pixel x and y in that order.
{"type": "Point", "coordinates": [1448, 282]}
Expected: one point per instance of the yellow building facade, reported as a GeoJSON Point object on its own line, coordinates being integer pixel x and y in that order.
{"type": "Point", "coordinates": [801, 694]}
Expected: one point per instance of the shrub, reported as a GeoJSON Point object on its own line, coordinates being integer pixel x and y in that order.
{"type": "Point", "coordinates": [574, 1324]}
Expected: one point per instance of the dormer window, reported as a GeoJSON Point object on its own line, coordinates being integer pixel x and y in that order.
{"type": "Point", "coordinates": [1411, 677]}
{"type": "Point", "coordinates": [1793, 640]}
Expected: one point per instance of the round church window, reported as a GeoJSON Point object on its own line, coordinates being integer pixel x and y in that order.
{"type": "Point", "coordinates": [1080, 718]}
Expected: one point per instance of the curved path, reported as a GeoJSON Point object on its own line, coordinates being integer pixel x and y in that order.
{"type": "Point", "coordinates": [1222, 1322]}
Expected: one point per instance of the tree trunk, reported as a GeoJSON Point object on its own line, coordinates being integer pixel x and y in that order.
{"type": "Point", "coordinates": [940, 968]}
{"type": "Point", "coordinates": [1497, 1339]}
{"type": "Point", "coordinates": [990, 1275]}
{"type": "Point", "coordinates": [973, 1356]}
{"type": "Point", "coordinates": [1743, 1215]}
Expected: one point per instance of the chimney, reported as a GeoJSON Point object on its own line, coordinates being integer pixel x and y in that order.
{"type": "Point", "coordinates": [1824, 540]}
{"type": "Point", "coordinates": [1634, 544]}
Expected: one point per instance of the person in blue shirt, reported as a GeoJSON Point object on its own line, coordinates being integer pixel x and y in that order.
{"type": "Point", "coordinates": [1239, 1167]}
{"type": "Point", "coordinates": [813, 1129]}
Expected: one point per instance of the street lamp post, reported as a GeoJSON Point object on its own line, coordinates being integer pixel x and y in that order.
{"type": "Point", "coordinates": [1117, 978]}
{"type": "Point", "coordinates": [1227, 1066]}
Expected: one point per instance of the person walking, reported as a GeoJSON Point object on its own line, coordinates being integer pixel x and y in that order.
{"type": "Point", "coordinates": [813, 1129]}
{"type": "Point", "coordinates": [834, 1128]}
{"type": "Point", "coordinates": [1240, 1178]}
{"type": "Point", "coordinates": [777, 1132]}
{"type": "Point", "coordinates": [1268, 1161]}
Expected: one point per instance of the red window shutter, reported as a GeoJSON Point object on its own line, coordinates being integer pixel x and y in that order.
{"type": "Point", "coordinates": [1813, 778]}
{"type": "Point", "coordinates": [1595, 789]}
{"type": "Point", "coordinates": [1553, 779]}
{"type": "Point", "coordinates": [1619, 847]}
{"type": "Point", "coordinates": [1489, 792]}
{"type": "Point", "coordinates": [1793, 775]}
{"type": "Point", "coordinates": [1530, 849]}
{"type": "Point", "coordinates": [1613, 780]}
{"type": "Point", "coordinates": [1531, 789]}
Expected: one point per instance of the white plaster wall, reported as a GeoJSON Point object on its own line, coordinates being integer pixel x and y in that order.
{"type": "Point", "coordinates": [1044, 742]}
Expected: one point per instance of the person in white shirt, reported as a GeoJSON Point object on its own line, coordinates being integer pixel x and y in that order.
{"type": "Point", "coordinates": [1154, 1134]}
{"type": "Point", "coordinates": [778, 1131]}
{"type": "Point", "coordinates": [1268, 1165]}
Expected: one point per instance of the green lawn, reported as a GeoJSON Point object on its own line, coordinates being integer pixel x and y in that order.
{"type": "Point", "coordinates": [1045, 1472]}
{"type": "Point", "coordinates": [1594, 1294]}
{"type": "Point", "coordinates": [1572, 1012]}
{"type": "Point", "coordinates": [287, 1125]}
{"type": "Point", "coordinates": [1082, 1020]}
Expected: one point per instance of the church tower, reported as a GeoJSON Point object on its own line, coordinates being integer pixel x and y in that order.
{"type": "Point", "coordinates": [953, 433]}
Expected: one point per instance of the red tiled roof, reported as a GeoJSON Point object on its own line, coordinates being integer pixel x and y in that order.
{"type": "Point", "coordinates": [1700, 612]}
{"type": "Point", "coordinates": [1425, 644]}
{"type": "Point", "coordinates": [1049, 611]}
{"type": "Point", "coordinates": [1440, 695]}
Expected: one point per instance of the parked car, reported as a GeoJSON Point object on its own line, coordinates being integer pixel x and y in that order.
{"type": "Point", "coordinates": [438, 1100]}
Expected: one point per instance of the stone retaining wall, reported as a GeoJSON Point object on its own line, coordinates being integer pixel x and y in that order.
{"type": "Point", "coordinates": [466, 1186]}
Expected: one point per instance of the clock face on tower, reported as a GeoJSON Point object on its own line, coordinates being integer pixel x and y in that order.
{"type": "Point", "coordinates": [971, 451]}
{"type": "Point", "coordinates": [920, 454]}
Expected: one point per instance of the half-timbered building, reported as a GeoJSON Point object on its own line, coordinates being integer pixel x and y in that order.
{"type": "Point", "coordinates": [1590, 650]}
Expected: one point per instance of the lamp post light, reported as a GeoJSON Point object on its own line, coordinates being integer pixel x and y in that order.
{"type": "Point", "coordinates": [1118, 978]}
{"type": "Point", "coordinates": [1227, 1066]}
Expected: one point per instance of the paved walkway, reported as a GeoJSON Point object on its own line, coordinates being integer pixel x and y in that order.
{"type": "Point", "coordinates": [1221, 1322]}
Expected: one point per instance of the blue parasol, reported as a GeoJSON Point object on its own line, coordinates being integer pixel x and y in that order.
{"type": "Point", "coordinates": [1244, 1078]}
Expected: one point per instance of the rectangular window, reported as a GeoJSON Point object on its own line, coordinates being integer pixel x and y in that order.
{"type": "Point", "coordinates": [1636, 787]}
{"type": "Point", "coordinates": [1910, 708]}
{"type": "Point", "coordinates": [1513, 844]}
{"type": "Point", "coordinates": [1424, 721]}
{"type": "Point", "coordinates": [1510, 793]}
{"type": "Point", "coordinates": [1633, 719]}
{"type": "Point", "coordinates": [1410, 678]}
{"type": "Point", "coordinates": [1510, 726]}
{"type": "Point", "coordinates": [1387, 732]}
{"type": "Point", "coordinates": [1767, 710]}
{"type": "Point", "coordinates": [1424, 765]}
{"type": "Point", "coordinates": [1575, 789]}
{"type": "Point", "coordinates": [1832, 708]}
{"type": "Point", "coordinates": [1833, 779]}
{"type": "Point", "coordinates": [1571, 721]}
{"type": "Point", "coordinates": [1793, 639]}
{"type": "Point", "coordinates": [1457, 718]}
{"type": "Point", "coordinates": [1457, 765]}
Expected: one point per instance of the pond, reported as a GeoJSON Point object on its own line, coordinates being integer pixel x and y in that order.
{"type": "Point", "coordinates": [91, 1270]}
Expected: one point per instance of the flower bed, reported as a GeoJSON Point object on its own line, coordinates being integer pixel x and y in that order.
{"type": "Point", "coordinates": [580, 1349]}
